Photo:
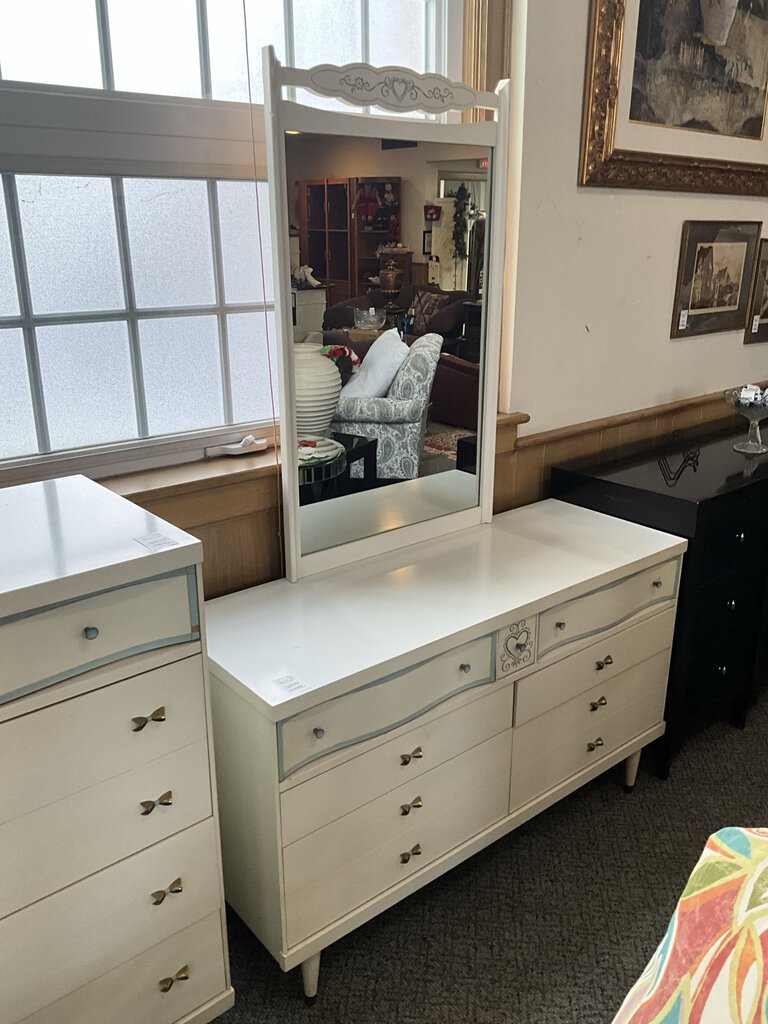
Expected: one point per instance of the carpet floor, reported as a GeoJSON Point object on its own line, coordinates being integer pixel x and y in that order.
{"type": "Point", "coordinates": [550, 925]}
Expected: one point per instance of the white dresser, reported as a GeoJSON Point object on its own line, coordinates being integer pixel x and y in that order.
{"type": "Point", "coordinates": [377, 724]}
{"type": "Point", "coordinates": [111, 903]}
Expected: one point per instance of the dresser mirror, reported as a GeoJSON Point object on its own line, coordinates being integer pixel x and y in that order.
{"type": "Point", "coordinates": [389, 234]}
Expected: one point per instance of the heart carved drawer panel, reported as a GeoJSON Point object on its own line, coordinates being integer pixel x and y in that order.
{"type": "Point", "coordinates": [133, 991]}
{"type": "Point", "coordinates": [70, 939]}
{"type": "Point", "coordinates": [354, 883]}
{"type": "Point", "coordinates": [607, 607]}
{"type": "Point", "coordinates": [60, 641]}
{"type": "Point", "coordinates": [122, 726]}
{"type": "Point", "coordinates": [312, 804]}
{"type": "Point", "coordinates": [594, 666]}
{"type": "Point", "coordinates": [310, 860]}
{"type": "Point", "coordinates": [61, 843]}
{"type": "Point", "coordinates": [383, 705]}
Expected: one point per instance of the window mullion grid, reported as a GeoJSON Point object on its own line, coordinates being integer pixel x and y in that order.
{"type": "Point", "coordinates": [134, 342]}
{"type": "Point", "coordinates": [25, 306]}
{"type": "Point", "coordinates": [218, 275]}
{"type": "Point", "coordinates": [290, 43]}
{"type": "Point", "coordinates": [204, 49]}
{"type": "Point", "coordinates": [105, 45]}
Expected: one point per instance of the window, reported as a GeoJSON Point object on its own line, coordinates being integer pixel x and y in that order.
{"type": "Point", "coordinates": [136, 298]}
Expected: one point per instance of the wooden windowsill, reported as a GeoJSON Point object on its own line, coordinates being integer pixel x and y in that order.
{"type": "Point", "coordinates": [195, 476]}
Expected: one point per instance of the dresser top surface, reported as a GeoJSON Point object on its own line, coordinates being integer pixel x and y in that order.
{"type": "Point", "coordinates": [285, 646]}
{"type": "Point", "coordinates": [720, 470]}
{"type": "Point", "coordinates": [66, 537]}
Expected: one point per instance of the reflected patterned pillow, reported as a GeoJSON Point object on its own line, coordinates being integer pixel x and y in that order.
{"type": "Point", "coordinates": [427, 304]}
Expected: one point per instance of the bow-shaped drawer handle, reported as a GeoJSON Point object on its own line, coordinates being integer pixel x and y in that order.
{"type": "Point", "coordinates": [162, 801]}
{"type": "Point", "coordinates": [600, 665]}
{"type": "Point", "coordinates": [415, 851]}
{"type": "Point", "coordinates": [657, 584]}
{"type": "Point", "coordinates": [599, 703]}
{"type": "Point", "coordinates": [166, 984]}
{"type": "Point", "coordinates": [158, 715]}
{"type": "Point", "coordinates": [560, 625]}
{"type": "Point", "coordinates": [406, 758]}
{"type": "Point", "coordinates": [593, 746]}
{"type": "Point", "coordinates": [415, 803]}
{"type": "Point", "coordinates": [159, 894]}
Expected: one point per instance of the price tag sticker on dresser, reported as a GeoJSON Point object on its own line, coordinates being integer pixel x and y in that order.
{"type": "Point", "coordinates": [683, 322]}
{"type": "Point", "coordinates": [755, 323]}
{"type": "Point", "coordinates": [156, 541]}
{"type": "Point", "coordinates": [289, 685]}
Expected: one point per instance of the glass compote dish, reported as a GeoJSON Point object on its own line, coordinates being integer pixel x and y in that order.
{"type": "Point", "coordinates": [754, 411]}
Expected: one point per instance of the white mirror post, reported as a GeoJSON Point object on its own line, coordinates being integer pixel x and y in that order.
{"type": "Point", "coordinates": [394, 509]}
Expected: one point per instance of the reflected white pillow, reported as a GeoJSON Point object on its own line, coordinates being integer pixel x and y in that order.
{"type": "Point", "coordinates": [377, 371]}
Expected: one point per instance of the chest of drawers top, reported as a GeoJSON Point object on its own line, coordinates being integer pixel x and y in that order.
{"type": "Point", "coordinates": [284, 647]}
{"type": "Point", "coordinates": [67, 537]}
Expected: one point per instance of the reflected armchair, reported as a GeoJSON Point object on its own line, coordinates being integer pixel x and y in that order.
{"type": "Point", "coordinates": [399, 419]}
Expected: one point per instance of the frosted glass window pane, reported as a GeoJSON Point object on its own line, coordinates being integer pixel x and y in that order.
{"type": "Point", "coordinates": [154, 46]}
{"type": "Point", "coordinates": [241, 251]}
{"type": "Point", "coordinates": [17, 424]}
{"type": "Point", "coordinates": [70, 242]}
{"type": "Point", "coordinates": [327, 34]}
{"type": "Point", "coordinates": [227, 44]}
{"type": "Point", "coordinates": [9, 300]}
{"type": "Point", "coordinates": [398, 34]}
{"type": "Point", "coordinates": [87, 383]}
{"type": "Point", "coordinates": [170, 237]}
{"type": "Point", "coordinates": [50, 41]}
{"type": "Point", "coordinates": [249, 367]}
{"type": "Point", "coordinates": [182, 373]}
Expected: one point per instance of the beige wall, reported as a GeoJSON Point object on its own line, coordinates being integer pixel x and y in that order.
{"type": "Point", "coordinates": [597, 267]}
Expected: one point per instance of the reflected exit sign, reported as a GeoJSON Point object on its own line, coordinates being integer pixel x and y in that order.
{"type": "Point", "coordinates": [483, 164]}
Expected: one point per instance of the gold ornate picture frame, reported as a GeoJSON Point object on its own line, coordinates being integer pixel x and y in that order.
{"type": "Point", "coordinates": [608, 164]}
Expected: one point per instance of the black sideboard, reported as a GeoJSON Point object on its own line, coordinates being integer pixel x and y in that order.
{"type": "Point", "coordinates": [721, 506]}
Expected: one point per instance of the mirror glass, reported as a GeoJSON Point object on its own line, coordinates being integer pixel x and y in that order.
{"type": "Point", "coordinates": [387, 249]}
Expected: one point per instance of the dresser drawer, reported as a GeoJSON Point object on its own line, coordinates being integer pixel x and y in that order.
{"type": "Point", "coordinates": [728, 605]}
{"type": "Point", "coordinates": [312, 859]}
{"type": "Point", "coordinates": [732, 542]}
{"type": "Point", "coordinates": [557, 745]}
{"type": "Point", "coordinates": [594, 666]}
{"type": "Point", "coordinates": [383, 705]}
{"type": "Point", "coordinates": [70, 939]}
{"type": "Point", "coordinates": [607, 607]}
{"type": "Point", "coordinates": [81, 742]}
{"type": "Point", "coordinates": [717, 672]}
{"type": "Point", "coordinates": [60, 641]}
{"type": "Point", "coordinates": [132, 991]}
{"type": "Point", "coordinates": [354, 883]}
{"type": "Point", "coordinates": [62, 842]}
{"type": "Point", "coordinates": [312, 804]}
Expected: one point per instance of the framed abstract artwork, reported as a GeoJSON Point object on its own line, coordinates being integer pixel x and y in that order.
{"type": "Point", "coordinates": [757, 321]}
{"type": "Point", "coordinates": [714, 277]}
{"type": "Point", "coordinates": [676, 95]}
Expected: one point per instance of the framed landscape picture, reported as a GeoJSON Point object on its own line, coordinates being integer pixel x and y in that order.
{"type": "Point", "coordinates": [757, 322]}
{"type": "Point", "coordinates": [714, 277]}
{"type": "Point", "coordinates": [676, 96]}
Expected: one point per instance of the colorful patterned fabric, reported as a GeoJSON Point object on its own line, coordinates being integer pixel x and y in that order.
{"type": "Point", "coordinates": [710, 968]}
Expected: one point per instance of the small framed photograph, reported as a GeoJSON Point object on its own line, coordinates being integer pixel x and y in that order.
{"type": "Point", "coordinates": [757, 323]}
{"type": "Point", "coordinates": [714, 276]}
{"type": "Point", "coordinates": [426, 243]}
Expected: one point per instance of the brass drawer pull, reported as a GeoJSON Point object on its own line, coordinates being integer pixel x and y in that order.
{"type": "Point", "coordinates": [560, 625]}
{"type": "Point", "coordinates": [406, 758]}
{"type": "Point", "coordinates": [90, 632]}
{"type": "Point", "coordinates": [158, 715]}
{"type": "Point", "coordinates": [414, 804]}
{"type": "Point", "coordinates": [722, 669]}
{"type": "Point", "coordinates": [162, 801]}
{"type": "Point", "coordinates": [657, 584]}
{"type": "Point", "coordinates": [600, 665]}
{"type": "Point", "coordinates": [318, 733]}
{"type": "Point", "coordinates": [520, 646]}
{"type": "Point", "coordinates": [593, 746]}
{"type": "Point", "coordinates": [166, 984]}
{"type": "Point", "coordinates": [599, 703]}
{"type": "Point", "coordinates": [731, 605]}
{"type": "Point", "coordinates": [415, 851]}
{"type": "Point", "coordinates": [740, 537]}
{"type": "Point", "coordinates": [159, 894]}
{"type": "Point", "coordinates": [465, 667]}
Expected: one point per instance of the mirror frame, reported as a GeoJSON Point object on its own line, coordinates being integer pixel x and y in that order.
{"type": "Point", "coordinates": [401, 90]}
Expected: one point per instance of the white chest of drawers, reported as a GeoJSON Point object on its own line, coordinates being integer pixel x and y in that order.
{"type": "Point", "coordinates": [378, 724]}
{"type": "Point", "coordinates": [111, 902]}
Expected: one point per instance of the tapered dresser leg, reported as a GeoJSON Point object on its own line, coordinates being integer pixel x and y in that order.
{"type": "Point", "coordinates": [310, 972]}
{"type": "Point", "coordinates": [631, 765]}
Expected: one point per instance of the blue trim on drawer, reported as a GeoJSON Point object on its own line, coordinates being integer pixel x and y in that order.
{"type": "Point", "coordinates": [616, 622]}
{"type": "Point", "coordinates": [194, 607]}
{"type": "Point", "coordinates": [490, 678]}
{"type": "Point", "coordinates": [78, 670]}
